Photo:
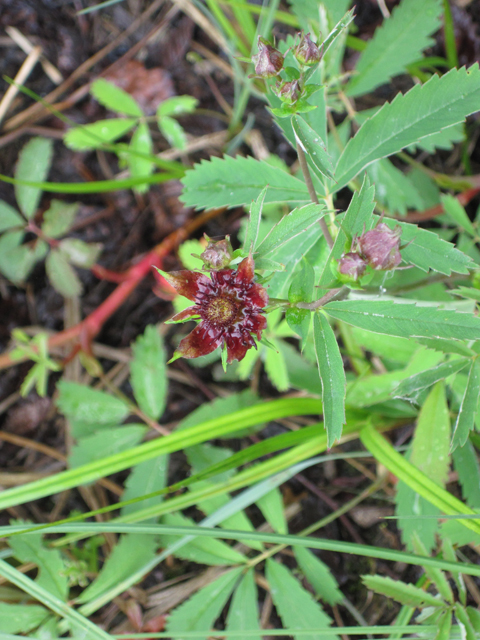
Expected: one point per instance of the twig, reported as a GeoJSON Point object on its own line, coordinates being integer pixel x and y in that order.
{"type": "Point", "coordinates": [333, 294]}
{"type": "Point", "coordinates": [24, 43]}
{"type": "Point", "coordinates": [312, 193]}
{"type": "Point", "coordinates": [23, 73]}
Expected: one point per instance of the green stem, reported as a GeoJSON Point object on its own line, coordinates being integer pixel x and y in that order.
{"type": "Point", "coordinates": [313, 194]}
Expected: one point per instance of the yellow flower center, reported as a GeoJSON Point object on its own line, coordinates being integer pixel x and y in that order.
{"type": "Point", "coordinates": [221, 311]}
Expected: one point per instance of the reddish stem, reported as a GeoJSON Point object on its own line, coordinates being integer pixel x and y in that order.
{"type": "Point", "coordinates": [86, 330]}
{"type": "Point", "coordinates": [464, 198]}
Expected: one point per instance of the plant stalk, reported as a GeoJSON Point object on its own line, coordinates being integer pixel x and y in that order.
{"type": "Point", "coordinates": [312, 193]}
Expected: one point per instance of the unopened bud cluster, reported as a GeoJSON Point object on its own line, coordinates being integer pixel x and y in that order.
{"type": "Point", "coordinates": [217, 255]}
{"type": "Point", "coordinates": [378, 248]}
{"type": "Point", "coordinates": [269, 62]}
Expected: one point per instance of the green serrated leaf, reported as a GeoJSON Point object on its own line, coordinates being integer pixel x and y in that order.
{"type": "Point", "coordinates": [299, 321]}
{"type": "Point", "coordinates": [51, 569]}
{"type": "Point", "coordinates": [289, 227]}
{"type": "Point", "coordinates": [9, 218]}
{"type": "Point", "coordinates": [303, 283]}
{"type": "Point", "coordinates": [33, 165]}
{"type": "Point", "coordinates": [425, 109]}
{"type": "Point", "coordinates": [93, 136]}
{"type": "Point", "coordinates": [295, 605]}
{"type": "Point", "coordinates": [105, 443]}
{"type": "Point", "coordinates": [81, 403]}
{"type": "Point", "coordinates": [357, 217]}
{"type": "Point", "coordinates": [61, 275]}
{"type": "Point", "coordinates": [413, 385]}
{"type": "Point", "coordinates": [132, 551]}
{"type": "Point", "coordinates": [427, 251]}
{"type": "Point", "coordinates": [243, 611]}
{"type": "Point", "coordinates": [393, 188]}
{"type": "Point", "coordinates": [271, 506]}
{"type": "Point", "coordinates": [313, 146]}
{"type": "Point", "coordinates": [406, 594]}
{"type": "Point", "coordinates": [17, 260]}
{"type": "Point", "coordinates": [444, 139]}
{"type": "Point", "coordinates": [456, 212]}
{"type": "Point", "coordinates": [148, 373]}
{"type": "Point", "coordinates": [80, 253]}
{"type": "Point", "coordinates": [444, 624]}
{"type": "Point", "coordinates": [405, 320]}
{"type": "Point", "coordinates": [146, 477]}
{"type": "Point", "coordinates": [114, 98]}
{"type": "Point", "coordinates": [465, 463]}
{"type": "Point", "coordinates": [139, 166]}
{"type": "Point", "coordinates": [276, 367]}
{"type": "Point", "coordinates": [447, 346]}
{"type": "Point", "coordinates": [58, 218]}
{"type": "Point", "coordinates": [429, 453]}
{"type": "Point", "coordinates": [253, 225]}
{"type": "Point", "coordinates": [468, 407]}
{"type": "Point", "coordinates": [319, 576]}
{"type": "Point", "coordinates": [435, 575]}
{"type": "Point", "coordinates": [21, 618]}
{"type": "Point", "coordinates": [177, 106]}
{"type": "Point", "coordinates": [201, 610]}
{"type": "Point", "coordinates": [237, 181]}
{"type": "Point", "coordinates": [397, 43]}
{"type": "Point", "coordinates": [332, 376]}
{"type": "Point", "coordinates": [173, 132]}
{"type": "Point", "coordinates": [341, 25]}
{"type": "Point", "coordinates": [189, 261]}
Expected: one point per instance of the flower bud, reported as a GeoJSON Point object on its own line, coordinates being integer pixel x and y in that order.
{"type": "Point", "coordinates": [289, 92]}
{"type": "Point", "coordinates": [268, 61]}
{"type": "Point", "coordinates": [306, 52]}
{"type": "Point", "coordinates": [217, 255]}
{"type": "Point", "coordinates": [352, 266]}
{"type": "Point", "coordinates": [380, 247]}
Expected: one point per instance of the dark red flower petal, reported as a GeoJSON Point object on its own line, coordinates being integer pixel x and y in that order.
{"type": "Point", "coordinates": [188, 283]}
{"type": "Point", "coordinates": [245, 271]}
{"type": "Point", "coordinates": [257, 295]}
{"type": "Point", "coordinates": [200, 342]}
{"type": "Point", "coordinates": [237, 346]}
{"type": "Point", "coordinates": [256, 324]}
{"type": "Point", "coordinates": [186, 314]}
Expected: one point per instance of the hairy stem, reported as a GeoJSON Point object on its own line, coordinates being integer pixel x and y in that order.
{"type": "Point", "coordinates": [312, 193]}
{"type": "Point", "coordinates": [333, 294]}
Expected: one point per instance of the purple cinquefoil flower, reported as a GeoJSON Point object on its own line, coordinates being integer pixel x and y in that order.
{"type": "Point", "coordinates": [352, 265]}
{"type": "Point", "coordinates": [268, 61]}
{"type": "Point", "coordinates": [380, 247]}
{"type": "Point", "coordinates": [306, 51]}
{"type": "Point", "coordinates": [230, 306]}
